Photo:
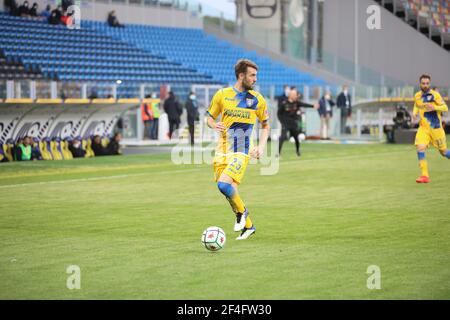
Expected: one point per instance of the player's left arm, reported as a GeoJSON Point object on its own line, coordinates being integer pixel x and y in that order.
{"type": "Point", "coordinates": [263, 115]}
{"type": "Point", "coordinates": [438, 104]}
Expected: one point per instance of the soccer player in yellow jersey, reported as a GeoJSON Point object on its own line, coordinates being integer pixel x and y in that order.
{"type": "Point", "coordinates": [239, 107]}
{"type": "Point", "coordinates": [429, 105]}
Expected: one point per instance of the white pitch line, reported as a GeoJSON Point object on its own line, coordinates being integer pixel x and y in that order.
{"type": "Point", "coordinates": [95, 178]}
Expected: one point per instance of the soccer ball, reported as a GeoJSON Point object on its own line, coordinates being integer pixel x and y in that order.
{"type": "Point", "coordinates": [214, 238]}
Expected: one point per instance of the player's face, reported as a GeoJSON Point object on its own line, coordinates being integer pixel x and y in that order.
{"type": "Point", "coordinates": [425, 84]}
{"type": "Point", "coordinates": [293, 95]}
{"type": "Point", "coordinates": [249, 80]}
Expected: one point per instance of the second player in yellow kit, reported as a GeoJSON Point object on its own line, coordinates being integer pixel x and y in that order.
{"type": "Point", "coordinates": [429, 105]}
{"type": "Point", "coordinates": [239, 108]}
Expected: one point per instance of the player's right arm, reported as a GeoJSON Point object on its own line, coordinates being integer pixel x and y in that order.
{"type": "Point", "coordinates": [417, 105]}
{"type": "Point", "coordinates": [415, 113]}
{"type": "Point", "coordinates": [215, 108]}
{"type": "Point", "coordinates": [218, 126]}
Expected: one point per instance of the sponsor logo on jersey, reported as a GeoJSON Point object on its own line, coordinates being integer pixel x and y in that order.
{"type": "Point", "coordinates": [237, 114]}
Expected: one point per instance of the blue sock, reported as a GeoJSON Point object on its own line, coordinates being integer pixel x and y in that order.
{"type": "Point", "coordinates": [421, 155]}
{"type": "Point", "coordinates": [447, 154]}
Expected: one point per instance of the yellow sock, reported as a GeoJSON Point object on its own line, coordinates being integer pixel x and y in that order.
{"type": "Point", "coordinates": [233, 207]}
{"type": "Point", "coordinates": [248, 223]}
{"type": "Point", "coordinates": [423, 164]}
{"type": "Point", "coordinates": [236, 203]}
{"type": "Point", "coordinates": [238, 207]}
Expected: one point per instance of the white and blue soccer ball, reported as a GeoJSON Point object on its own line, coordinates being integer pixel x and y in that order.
{"type": "Point", "coordinates": [214, 238]}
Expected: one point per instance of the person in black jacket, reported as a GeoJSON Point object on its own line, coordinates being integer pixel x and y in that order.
{"type": "Point", "coordinates": [24, 9]}
{"type": "Point", "coordinates": [173, 109]}
{"type": "Point", "coordinates": [344, 102]}
{"type": "Point", "coordinates": [97, 147]}
{"type": "Point", "coordinates": [289, 114]}
{"type": "Point", "coordinates": [113, 21]}
{"type": "Point", "coordinates": [33, 10]}
{"type": "Point", "coordinates": [114, 145]}
{"type": "Point", "coordinates": [76, 147]}
{"type": "Point", "coordinates": [284, 95]}
{"type": "Point", "coordinates": [11, 6]}
{"type": "Point", "coordinates": [55, 16]}
{"type": "Point", "coordinates": [35, 151]}
{"type": "Point", "coordinates": [192, 114]}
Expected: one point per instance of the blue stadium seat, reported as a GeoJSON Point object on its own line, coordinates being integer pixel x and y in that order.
{"type": "Point", "coordinates": [136, 53]}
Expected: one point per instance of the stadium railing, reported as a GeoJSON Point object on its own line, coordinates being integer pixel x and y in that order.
{"type": "Point", "coordinates": [374, 105]}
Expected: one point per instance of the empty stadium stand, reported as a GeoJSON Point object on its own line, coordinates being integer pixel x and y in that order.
{"type": "Point", "coordinates": [16, 71]}
{"type": "Point", "coordinates": [136, 54]}
{"type": "Point", "coordinates": [195, 49]}
{"type": "Point", "coordinates": [60, 53]}
{"type": "Point", "coordinates": [431, 17]}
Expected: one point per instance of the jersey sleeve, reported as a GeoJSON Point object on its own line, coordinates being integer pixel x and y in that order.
{"type": "Point", "coordinates": [415, 110]}
{"type": "Point", "coordinates": [439, 103]}
{"type": "Point", "coordinates": [261, 112]}
{"type": "Point", "coordinates": [417, 103]}
{"type": "Point", "coordinates": [216, 106]}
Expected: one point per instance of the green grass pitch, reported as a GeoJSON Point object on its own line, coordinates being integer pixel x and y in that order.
{"type": "Point", "coordinates": [133, 226]}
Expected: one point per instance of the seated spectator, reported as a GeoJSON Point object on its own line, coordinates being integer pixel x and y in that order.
{"type": "Point", "coordinates": [15, 148]}
{"type": "Point", "coordinates": [24, 10]}
{"type": "Point", "coordinates": [33, 10]}
{"type": "Point", "coordinates": [55, 16]}
{"type": "Point", "coordinates": [97, 147]}
{"type": "Point", "coordinates": [23, 150]}
{"type": "Point", "coordinates": [11, 5]}
{"type": "Point", "coordinates": [76, 147]}
{"type": "Point", "coordinates": [114, 145]}
{"type": "Point", "coordinates": [35, 151]}
{"type": "Point", "coordinates": [47, 12]}
{"type": "Point", "coordinates": [113, 21]}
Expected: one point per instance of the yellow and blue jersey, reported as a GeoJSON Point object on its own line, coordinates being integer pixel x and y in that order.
{"type": "Point", "coordinates": [429, 119]}
{"type": "Point", "coordinates": [239, 112]}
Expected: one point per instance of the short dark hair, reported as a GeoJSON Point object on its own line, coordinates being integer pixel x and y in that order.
{"type": "Point", "coordinates": [425, 76]}
{"type": "Point", "coordinates": [242, 65]}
